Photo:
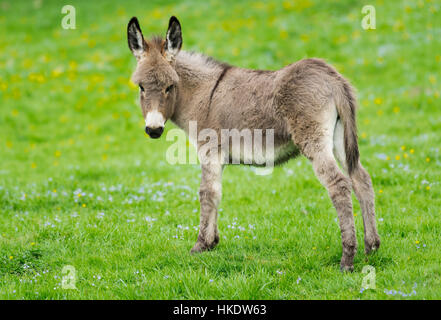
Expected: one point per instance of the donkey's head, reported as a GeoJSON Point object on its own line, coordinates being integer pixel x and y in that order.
{"type": "Point", "coordinates": [155, 73]}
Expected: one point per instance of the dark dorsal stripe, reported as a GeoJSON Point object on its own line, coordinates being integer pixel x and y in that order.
{"type": "Point", "coordinates": [226, 67]}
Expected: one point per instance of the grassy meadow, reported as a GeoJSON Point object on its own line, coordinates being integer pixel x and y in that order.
{"type": "Point", "coordinates": [81, 185]}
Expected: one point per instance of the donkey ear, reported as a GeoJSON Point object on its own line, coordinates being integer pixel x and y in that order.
{"type": "Point", "coordinates": [135, 38]}
{"type": "Point", "coordinates": [173, 42]}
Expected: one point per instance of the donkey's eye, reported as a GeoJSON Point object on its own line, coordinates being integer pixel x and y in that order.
{"type": "Point", "coordinates": [141, 87]}
{"type": "Point", "coordinates": [168, 89]}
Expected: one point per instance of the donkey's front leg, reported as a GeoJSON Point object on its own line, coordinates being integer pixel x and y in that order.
{"type": "Point", "coordinates": [209, 196]}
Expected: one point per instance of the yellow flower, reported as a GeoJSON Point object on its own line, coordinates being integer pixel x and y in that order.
{"type": "Point", "coordinates": [417, 242]}
{"type": "Point", "coordinates": [378, 101]}
{"type": "Point", "coordinates": [32, 243]}
{"type": "Point", "coordinates": [37, 77]}
{"type": "Point", "coordinates": [427, 159]}
{"type": "Point", "coordinates": [11, 257]}
{"type": "Point", "coordinates": [57, 154]}
{"type": "Point", "coordinates": [341, 39]}
{"type": "Point", "coordinates": [403, 148]}
{"type": "Point", "coordinates": [356, 34]}
{"type": "Point", "coordinates": [405, 155]}
{"type": "Point", "coordinates": [283, 34]}
{"type": "Point", "coordinates": [304, 37]}
{"type": "Point", "coordinates": [33, 165]}
{"type": "Point", "coordinates": [412, 151]}
{"type": "Point", "coordinates": [27, 63]}
{"type": "Point", "coordinates": [396, 109]}
{"type": "Point", "coordinates": [397, 157]}
{"type": "Point", "coordinates": [3, 86]}
{"type": "Point", "coordinates": [428, 188]}
{"type": "Point", "coordinates": [84, 205]}
{"type": "Point", "coordinates": [57, 72]}
{"type": "Point", "coordinates": [387, 158]}
{"type": "Point", "coordinates": [73, 65]}
{"type": "Point", "coordinates": [157, 13]}
{"type": "Point", "coordinates": [381, 190]}
{"type": "Point", "coordinates": [121, 12]}
{"type": "Point", "coordinates": [398, 26]}
{"type": "Point", "coordinates": [287, 4]}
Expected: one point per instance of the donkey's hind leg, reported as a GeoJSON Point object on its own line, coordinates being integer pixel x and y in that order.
{"type": "Point", "coordinates": [362, 185]}
{"type": "Point", "coordinates": [313, 134]}
{"type": "Point", "coordinates": [317, 145]}
{"type": "Point", "coordinates": [339, 189]}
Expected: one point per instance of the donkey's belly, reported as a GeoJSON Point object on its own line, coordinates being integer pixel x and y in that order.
{"type": "Point", "coordinates": [267, 157]}
{"type": "Point", "coordinates": [286, 152]}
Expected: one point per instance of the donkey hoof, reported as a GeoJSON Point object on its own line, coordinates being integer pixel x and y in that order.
{"type": "Point", "coordinates": [201, 246]}
{"type": "Point", "coordinates": [198, 247]}
{"type": "Point", "coordinates": [346, 268]}
{"type": "Point", "coordinates": [372, 246]}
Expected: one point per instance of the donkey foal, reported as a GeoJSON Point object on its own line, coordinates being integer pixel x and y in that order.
{"type": "Point", "coordinates": [308, 104]}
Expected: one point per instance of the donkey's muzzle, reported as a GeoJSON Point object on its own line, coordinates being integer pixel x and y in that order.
{"type": "Point", "coordinates": [154, 133]}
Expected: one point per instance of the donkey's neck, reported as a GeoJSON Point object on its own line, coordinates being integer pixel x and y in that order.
{"type": "Point", "coordinates": [198, 74]}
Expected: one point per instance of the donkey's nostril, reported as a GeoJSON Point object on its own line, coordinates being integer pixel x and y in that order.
{"type": "Point", "coordinates": [154, 133]}
{"type": "Point", "coordinates": [160, 130]}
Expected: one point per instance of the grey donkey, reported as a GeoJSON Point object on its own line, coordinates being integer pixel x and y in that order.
{"type": "Point", "coordinates": [308, 104]}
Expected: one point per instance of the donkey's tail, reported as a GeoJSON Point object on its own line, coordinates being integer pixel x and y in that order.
{"type": "Point", "coordinates": [346, 108]}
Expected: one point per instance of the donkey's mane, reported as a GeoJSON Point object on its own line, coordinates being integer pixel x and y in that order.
{"type": "Point", "coordinates": [156, 42]}
{"type": "Point", "coordinates": [191, 57]}
{"type": "Point", "coordinates": [204, 59]}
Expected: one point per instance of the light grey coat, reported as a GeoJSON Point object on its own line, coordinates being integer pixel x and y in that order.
{"type": "Point", "coordinates": [310, 106]}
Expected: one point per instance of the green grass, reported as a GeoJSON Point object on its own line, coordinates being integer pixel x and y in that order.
{"type": "Point", "coordinates": [70, 124]}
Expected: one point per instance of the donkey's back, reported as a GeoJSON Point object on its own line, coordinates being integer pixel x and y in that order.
{"type": "Point", "coordinates": [300, 102]}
